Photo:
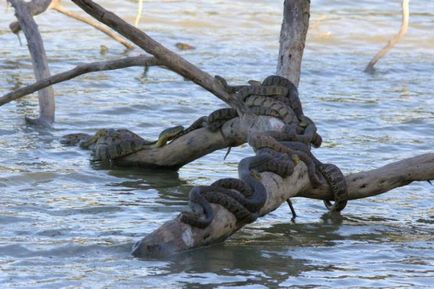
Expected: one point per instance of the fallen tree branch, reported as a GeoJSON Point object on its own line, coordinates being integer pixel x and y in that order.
{"type": "Point", "coordinates": [39, 60]}
{"type": "Point", "coordinates": [394, 40]}
{"type": "Point", "coordinates": [77, 71]}
{"type": "Point", "coordinates": [175, 236]}
{"type": "Point", "coordinates": [168, 58]}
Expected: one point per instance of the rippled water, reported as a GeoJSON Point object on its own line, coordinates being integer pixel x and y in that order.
{"type": "Point", "coordinates": [67, 223]}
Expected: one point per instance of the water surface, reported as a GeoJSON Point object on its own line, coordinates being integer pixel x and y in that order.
{"type": "Point", "coordinates": [67, 223]}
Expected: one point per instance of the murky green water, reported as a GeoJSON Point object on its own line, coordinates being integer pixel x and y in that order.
{"type": "Point", "coordinates": [66, 223]}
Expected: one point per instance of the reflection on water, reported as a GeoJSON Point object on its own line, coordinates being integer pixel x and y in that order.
{"type": "Point", "coordinates": [67, 222]}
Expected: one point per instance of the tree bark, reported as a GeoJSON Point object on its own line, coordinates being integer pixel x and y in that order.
{"type": "Point", "coordinates": [39, 60]}
{"type": "Point", "coordinates": [77, 71]}
{"type": "Point", "coordinates": [292, 38]}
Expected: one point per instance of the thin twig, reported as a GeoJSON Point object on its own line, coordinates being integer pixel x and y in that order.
{"type": "Point", "coordinates": [59, 8]}
{"type": "Point", "coordinates": [395, 39]}
{"type": "Point", "coordinates": [139, 13]}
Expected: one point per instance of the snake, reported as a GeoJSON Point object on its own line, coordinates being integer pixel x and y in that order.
{"type": "Point", "coordinates": [109, 144]}
{"type": "Point", "coordinates": [198, 123]}
{"type": "Point", "coordinates": [292, 96]}
{"type": "Point", "coordinates": [338, 186]}
{"type": "Point", "coordinates": [243, 197]}
{"type": "Point", "coordinates": [259, 141]}
{"type": "Point", "coordinates": [217, 118]}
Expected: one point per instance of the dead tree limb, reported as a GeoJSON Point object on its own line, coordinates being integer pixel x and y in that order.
{"type": "Point", "coordinates": [39, 60]}
{"type": "Point", "coordinates": [167, 57]}
{"type": "Point", "coordinates": [292, 38]}
{"type": "Point", "coordinates": [77, 71]}
{"type": "Point", "coordinates": [175, 236]}
{"type": "Point", "coordinates": [394, 40]}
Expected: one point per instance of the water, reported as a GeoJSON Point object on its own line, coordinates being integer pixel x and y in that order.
{"type": "Point", "coordinates": [66, 223]}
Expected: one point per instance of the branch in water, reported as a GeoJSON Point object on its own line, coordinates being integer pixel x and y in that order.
{"type": "Point", "coordinates": [77, 71]}
{"type": "Point", "coordinates": [394, 40]}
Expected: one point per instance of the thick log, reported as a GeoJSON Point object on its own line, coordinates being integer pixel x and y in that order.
{"type": "Point", "coordinates": [168, 58]}
{"type": "Point", "coordinates": [77, 71]}
{"type": "Point", "coordinates": [392, 42]}
{"type": "Point", "coordinates": [292, 38]}
{"type": "Point", "coordinates": [175, 236]}
{"type": "Point", "coordinates": [39, 61]}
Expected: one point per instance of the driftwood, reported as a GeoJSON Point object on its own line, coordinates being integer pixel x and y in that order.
{"type": "Point", "coordinates": [394, 40]}
{"type": "Point", "coordinates": [142, 61]}
{"type": "Point", "coordinates": [38, 55]}
{"type": "Point", "coordinates": [175, 236]}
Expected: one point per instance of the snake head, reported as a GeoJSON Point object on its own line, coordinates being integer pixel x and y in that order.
{"type": "Point", "coordinates": [295, 158]}
{"type": "Point", "coordinates": [255, 174]}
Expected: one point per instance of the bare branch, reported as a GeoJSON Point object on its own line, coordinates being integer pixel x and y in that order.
{"type": "Point", "coordinates": [77, 71]}
{"type": "Point", "coordinates": [394, 40]}
{"type": "Point", "coordinates": [168, 58]}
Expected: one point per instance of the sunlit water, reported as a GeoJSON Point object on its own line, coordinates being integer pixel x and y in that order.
{"type": "Point", "coordinates": [67, 223]}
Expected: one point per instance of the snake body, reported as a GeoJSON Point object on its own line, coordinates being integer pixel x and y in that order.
{"type": "Point", "coordinates": [338, 186]}
{"type": "Point", "coordinates": [217, 118]}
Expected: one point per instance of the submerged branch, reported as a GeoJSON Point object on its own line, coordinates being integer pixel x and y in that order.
{"type": "Point", "coordinates": [77, 71]}
{"type": "Point", "coordinates": [394, 40]}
